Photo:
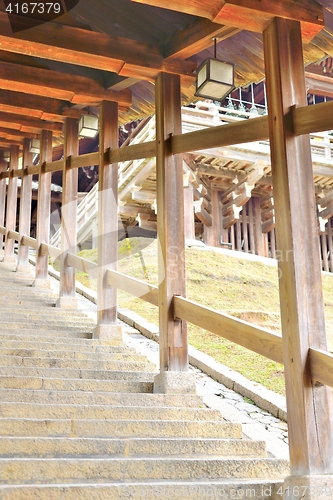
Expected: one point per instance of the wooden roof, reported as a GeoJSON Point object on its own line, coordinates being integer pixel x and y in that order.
{"type": "Point", "coordinates": [113, 50]}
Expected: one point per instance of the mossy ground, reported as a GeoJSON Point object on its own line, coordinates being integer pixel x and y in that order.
{"type": "Point", "coordinates": [242, 288]}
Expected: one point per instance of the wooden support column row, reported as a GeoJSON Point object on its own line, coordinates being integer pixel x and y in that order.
{"type": "Point", "coordinates": [212, 234]}
{"type": "Point", "coordinates": [3, 189]}
{"type": "Point", "coordinates": [11, 206]}
{"type": "Point", "coordinates": [107, 224]}
{"type": "Point", "coordinates": [309, 405]}
{"type": "Point", "coordinates": [25, 209]}
{"type": "Point", "coordinates": [69, 217]}
{"type": "Point", "coordinates": [174, 376]}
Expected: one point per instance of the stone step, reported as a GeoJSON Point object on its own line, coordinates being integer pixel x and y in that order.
{"type": "Point", "coordinates": [84, 364]}
{"type": "Point", "coordinates": [143, 490]}
{"type": "Point", "coordinates": [59, 384]}
{"type": "Point", "coordinates": [54, 334]}
{"type": "Point", "coordinates": [26, 427]}
{"type": "Point", "coordinates": [71, 354]}
{"type": "Point", "coordinates": [16, 470]}
{"type": "Point", "coordinates": [142, 376]}
{"type": "Point", "coordinates": [46, 326]}
{"type": "Point", "coordinates": [60, 340]}
{"type": "Point", "coordinates": [52, 447]}
{"type": "Point", "coordinates": [48, 314]}
{"type": "Point", "coordinates": [60, 345]}
{"type": "Point", "coordinates": [28, 410]}
{"type": "Point", "coordinates": [99, 398]}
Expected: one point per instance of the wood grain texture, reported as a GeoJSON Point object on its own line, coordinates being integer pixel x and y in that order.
{"type": "Point", "coordinates": [302, 310]}
{"type": "Point", "coordinates": [11, 206]}
{"type": "Point", "coordinates": [321, 363]}
{"type": "Point", "coordinates": [135, 287]}
{"type": "Point", "coordinates": [69, 209]}
{"type": "Point", "coordinates": [170, 224]}
{"type": "Point", "coordinates": [107, 214]}
{"type": "Point", "coordinates": [31, 242]}
{"type": "Point", "coordinates": [317, 118]}
{"type": "Point", "coordinates": [43, 205]}
{"type": "Point", "coordinates": [25, 206]}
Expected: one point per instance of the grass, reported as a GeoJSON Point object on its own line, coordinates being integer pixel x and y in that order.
{"type": "Point", "coordinates": [245, 289]}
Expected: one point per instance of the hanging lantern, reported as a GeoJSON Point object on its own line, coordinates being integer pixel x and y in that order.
{"type": "Point", "coordinates": [215, 79]}
{"type": "Point", "coordinates": [88, 126]}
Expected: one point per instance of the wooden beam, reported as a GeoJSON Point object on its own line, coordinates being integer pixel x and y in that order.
{"type": "Point", "coordinates": [107, 217]}
{"type": "Point", "coordinates": [9, 134]}
{"type": "Point", "coordinates": [21, 122]}
{"type": "Point", "coordinates": [135, 287]}
{"type": "Point", "coordinates": [43, 210]}
{"type": "Point", "coordinates": [60, 42]}
{"type": "Point", "coordinates": [256, 339]}
{"type": "Point", "coordinates": [3, 189]}
{"type": "Point", "coordinates": [321, 363]}
{"type": "Point", "coordinates": [133, 152]}
{"type": "Point", "coordinates": [11, 207]}
{"type": "Point", "coordinates": [196, 38]}
{"type": "Point", "coordinates": [223, 135]}
{"type": "Point", "coordinates": [170, 224]}
{"type": "Point", "coordinates": [202, 214]}
{"type": "Point", "coordinates": [48, 83]}
{"type": "Point", "coordinates": [319, 84]}
{"type": "Point", "coordinates": [252, 15]}
{"type": "Point", "coordinates": [317, 118]}
{"type": "Point", "coordinates": [25, 208]}
{"type": "Point", "coordinates": [43, 108]}
{"type": "Point", "coordinates": [86, 160]}
{"type": "Point", "coordinates": [68, 217]}
{"type": "Point", "coordinates": [302, 309]}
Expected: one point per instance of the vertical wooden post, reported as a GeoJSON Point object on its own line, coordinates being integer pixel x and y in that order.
{"type": "Point", "coordinates": [324, 251]}
{"type": "Point", "coordinates": [11, 207]}
{"type": "Point", "coordinates": [244, 225]}
{"type": "Point", "coordinates": [3, 189]}
{"type": "Point", "coordinates": [25, 209]}
{"type": "Point", "coordinates": [273, 244]}
{"type": "Point", "coordinates": [238, 236]}
{"type": "Point", "coordinates": [259, 237]}
{"type": "Point", "coordinates": [302, 311]}
{"type": "Point", "coordinates": [189, 212]}
{"type": "Point", "coordinates": [68, 217]}
{"type": "Point", "coordinates": [330, 243]}
{"type": "Point", "coordinates": [107, 224]}
{"type": "Point", "coordinates": [251, 227]}
{"type": "Point", "coordinates": [212, 234]}
{"type": "Point", "coordinates": [170, 229]}
{"type": "Point", "coordinates": [43, 210]}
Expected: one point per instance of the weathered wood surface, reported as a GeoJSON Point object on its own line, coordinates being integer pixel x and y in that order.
{"type": "Point", "coordinates": [135, 287]}
{"type": "Point", "coordinates": [245, 334]}
{"type": "Point", "coordinates": [31, 242]}
{"type": "Point", "coordinates": [25, 205]}
{"type": "Point", "coordinates": [11, 206]}
{"type": "Point", "coordinates": [69, 209]}
{"type": "Point", "coordinates": [43, 206]}
{"type": "Point", "coordinates": [321, 364]}
{"type": "Point", "coordinates": [107, 215]}
{"type": "Point", "coordinates": [81, 264]}
{"type": "Point", "coordinates": [3, 189]}
{"type": "Point", "coordinates": [170, 224]}
{"type": "Point", "coordinates": [302, 309]}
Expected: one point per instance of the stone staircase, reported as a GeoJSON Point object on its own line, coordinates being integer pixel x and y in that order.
{"type": "Point", "coordinates": [79, 420]}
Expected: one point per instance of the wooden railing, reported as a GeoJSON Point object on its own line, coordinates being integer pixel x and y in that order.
{"type": "Point", "coordinates": [256, 339]}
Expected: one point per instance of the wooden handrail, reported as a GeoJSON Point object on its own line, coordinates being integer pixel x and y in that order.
{"type": "Point", "coordinates": [135, 287]}
{"type": "Point", "coordinates": [29, 242]}
{"type": "Point", "coordinates": [2, 230]}
{"type": "Point", "coordinates": [321, 365]}
{"type": "Point", "coordinates": [256, 339]}
{"type": "Point", "coordinates": [316, 118]}
{"type": "Point", "coordinates": [13, 235]}
{"type": "Point", "coordinates": [85, 160]}
{"type": "Point", "coordinates": [81, 264]}
{"type": "Point", "coordinates": [54, 166]}
{"type": "Point", "coordinates": [133, 152]}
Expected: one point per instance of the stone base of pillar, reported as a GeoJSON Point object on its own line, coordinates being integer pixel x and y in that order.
{"type": "Point", "coordinates": [43, 283]}
{"type": "Point", "coordinates": [24, 269]}
{"type": "Point", "coordinates": [175, 383]}
{"type": "Point", "coordinates": [108, 333]}
{"type": "Point", "coordinates": [10, 259]}
{"type": "Point", "coordinates": [67, 303]}
{"type": "Point", "coordinates": [308, 487]}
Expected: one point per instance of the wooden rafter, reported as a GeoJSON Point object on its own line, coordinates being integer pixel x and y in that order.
{"type": "Point", "coordinates": [47, 83]}
{"type": "Point", "coordinates": [27, 124]}
{"type": "Point", "coordinates": [252, 15]}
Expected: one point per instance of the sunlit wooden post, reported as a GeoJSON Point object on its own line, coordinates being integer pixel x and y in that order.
{"type": "Point", "coordinates": [25, 209]}
{"type": "Point", "coordinates": [173, 375]}
{"type": "Point", "coordinates": [67, 297]}
{"type": "Point", "coordinates": [212, 234]}
{"type": "Point", "coordinates": [3, 190]}
{"type": "Point", "coordinates": [43, 210]}
{"type": "Point", "coordinates": [302, 309]}
{"type": "Point", "coordinates": [11, 207]}
{"type": "Point", "coordinates": [189, 223]}
{"type": "Point", "coordinates": [107, 224]}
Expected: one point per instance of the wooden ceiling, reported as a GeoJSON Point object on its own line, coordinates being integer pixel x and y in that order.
{"type": "Point", "coordinates": [113, 50]}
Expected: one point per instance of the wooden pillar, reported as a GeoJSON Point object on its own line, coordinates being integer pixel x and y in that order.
{"type": "Point", "coordinates": [3, 190]}
{"type": "Point", "coordinates": [25, 209]}
{"type": "Point", "coordinates": [69, 217]}
{"type": "Point", "coordinates": [238, 236]}
{"type": "Point", "coordinates": [170, 230]}
{"type": "Point", "coordinates": [212, 234]}
{"type": "Point", "coordinates": [189, 212]}
{"type": "Point", "coordinates": [107, 224]}
{"type": "Point", "coordinates": [273, 244]}
{"type": "Point", "coordinates": [258, 234]}
{"type": "Point", "coordinates": [302, 311]}
{"type": "Point", "coordinates": [43, 210]}
{"type": "Point", "coordinates": [330, 243]}
{"type": "Point", "coordinates": [324, 251]}
{"type": "Point", "coordinates": [11, 207]}
{"type": "Point", "coordinates": [251, 227]}
{"type": "Point", "coordinates": [244, 225]}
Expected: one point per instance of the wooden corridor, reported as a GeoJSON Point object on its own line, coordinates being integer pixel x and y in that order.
{"type": "Point", "coordinates": [126, 62]}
